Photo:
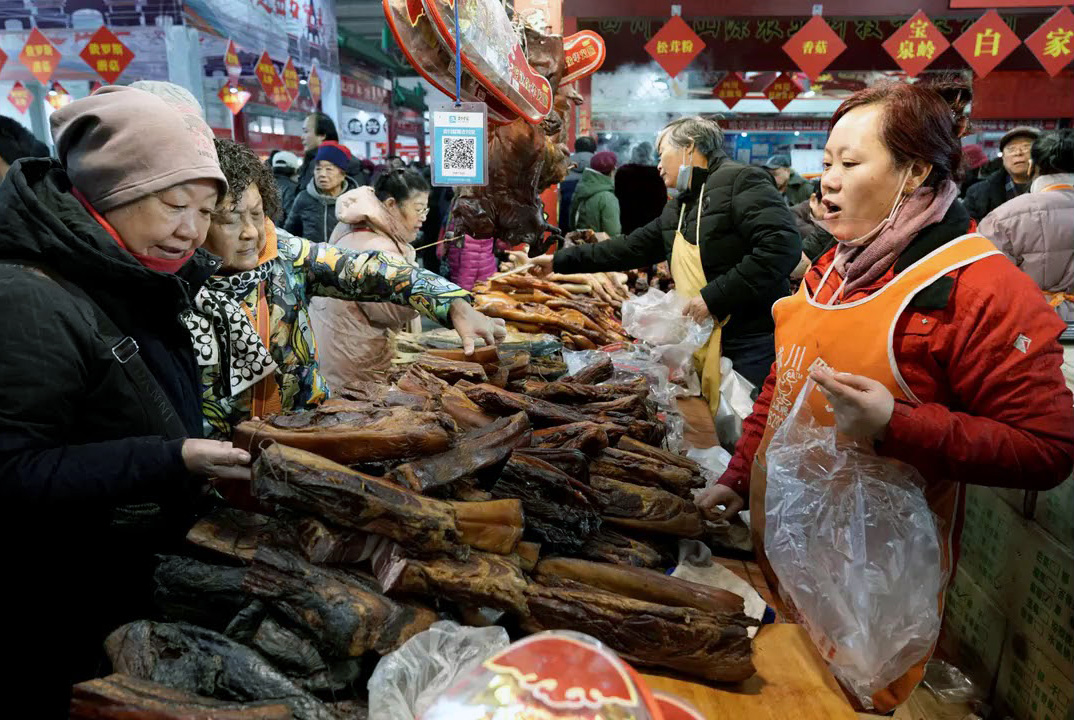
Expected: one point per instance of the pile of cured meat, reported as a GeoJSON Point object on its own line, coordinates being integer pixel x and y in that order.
{"type": "Point", "coordinates": [463, 488]}
{"type": "Point", "coordinates": [581, 310]}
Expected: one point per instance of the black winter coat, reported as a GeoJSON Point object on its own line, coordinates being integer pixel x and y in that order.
{"type": "Point", "coordinates": [288, 188]}
{"type": "Point", "coordinates": [313, 214]}
{"type": "Point", "coordinates": [78, 438]}
{"type": "Point", "coordinates": [988, 194]}
{"type": "Point", "coordinates": [749, 245]}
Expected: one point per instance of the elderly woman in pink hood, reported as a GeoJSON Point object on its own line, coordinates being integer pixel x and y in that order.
{"type": "Point", "coordinates": [355, 338]}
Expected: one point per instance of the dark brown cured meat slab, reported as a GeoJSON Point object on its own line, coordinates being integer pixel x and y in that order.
{"type": "Point", "coordinates": [323, 544]}
{"type": "Point", "coordinates": [381, 394]}
{"type": "Point", "coordinates": [494, 526]}
{"type": "Point", "coordinates": [641, 470]}
{"type": "Point", "coordinates": [588, 437]}
{"type": "Point", "coordinates": [606, 545]}
{"type": "Point", "coordinates": [197, 592]}
{"type": "Point", "coordinates": [573, 463]}
{"type": "Point", "coordinates": [594, 373]}
{"type": "Point", "coordinates": [649, 509]}
{"type": "Point", "coordinates": [477, 453]}
{"type": "Point", "coordinates": [629, 444]}
{"type": "Point", "coordinates": [451, 371]}
{"type": "Point", "coordinates": [122, 697]}
{"type": "Point", "coordinates": [571, 392]}
{"type": "Point", "coordinates": [503, 402]}
{"type": "Point", "coordinates": [310, 485]}
{"type": "Point", "coordinates": [237, 534]}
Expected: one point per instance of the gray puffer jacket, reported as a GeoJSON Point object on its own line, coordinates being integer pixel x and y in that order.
{"type": "Point", "coordinates": [313, 214]}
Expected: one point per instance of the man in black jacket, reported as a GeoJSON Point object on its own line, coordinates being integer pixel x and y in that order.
{"type": "Point", "coordinates": [748, 240]}
{"type": "Point", "coordinates": [317, 128]}
{"type": "Point", "coordinates": [1008, 183]}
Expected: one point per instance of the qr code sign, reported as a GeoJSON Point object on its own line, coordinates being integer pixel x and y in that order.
{"type": "Point", "coordinates": [459, 158]}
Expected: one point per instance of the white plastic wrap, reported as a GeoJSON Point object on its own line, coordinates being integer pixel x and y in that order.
{"type": "Point", "coordinates": [736, 404]}
{"type": "Point", "coordinates": [410, 679]}
{"type": "Point", "coordinates": [856, 550]}
{"type": "Point", "coordinates": [656, 317]}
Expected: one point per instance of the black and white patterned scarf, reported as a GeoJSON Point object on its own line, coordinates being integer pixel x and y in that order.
{"type": "Point", "coordinates": [223, 334]}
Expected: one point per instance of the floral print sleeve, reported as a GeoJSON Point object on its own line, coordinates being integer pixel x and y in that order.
{"type": "Point", "coordinates": [374, 277]}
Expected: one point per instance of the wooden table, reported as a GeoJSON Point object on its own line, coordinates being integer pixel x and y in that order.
{"type": "Point", "coordinates": [792, 683]}
{"type": "Point", "coordinates": [700, 428]}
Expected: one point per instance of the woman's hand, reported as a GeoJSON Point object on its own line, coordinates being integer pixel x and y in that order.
{"type": "Point", "coordinates": [709, 500]}
{"type": "Point", "coordinates": [697, 309]}
{"type": "Point", "coordinates": [470, 325]}
{"type": "Point", "coordinates": [212, 458]}
{"type": "Point", "coordinates": [862, 406]}
{"type": "Point", "coordinates": [542, 265]}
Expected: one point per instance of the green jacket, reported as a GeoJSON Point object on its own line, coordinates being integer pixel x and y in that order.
{"type": "Point", "coordinates": [594, 205]}
{"type": "Point", "coordinates": [798, 189]}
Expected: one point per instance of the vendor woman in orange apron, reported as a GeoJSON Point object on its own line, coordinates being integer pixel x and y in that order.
{"type": "Point", "coordinates": [923, 337]}
{"type": "Point", "coordinates": [729, 237]}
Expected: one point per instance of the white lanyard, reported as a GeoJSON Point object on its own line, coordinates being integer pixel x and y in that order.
{"type": "Point", "coordinates": [682, 214]}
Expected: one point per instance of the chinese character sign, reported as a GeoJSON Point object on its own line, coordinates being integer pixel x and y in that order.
{"type": "Point", "coordinates": [916, 44]}
{"type": "Point", "coordinates": [40, 56]}
{"type": "Point", "coordinates": [272, 83]}
{"type": "Point", "coordinates": [782, 90]}
{"type": "Point", "coordinates": [231, 60]}
{"type": "Point", "coordinates": [234, 98]}
{"type": "Point", "coordinates": [314, 85]}
{"type": "Point", "coordinates": [290, 78]}
{"type": "Point", "coordinates": [730, 90]}
{"type": "Point", "coordinates": [675, 46]}
{"type": "Point", "coordinates": [585, 54]}
{"type": "Point", "coordinates": [814, 47]}
{"type": "Point", "coordinates": [20, 97]}
{"type": "Point", "coordinates": [987, 43]}
{"type": "Point", "coordinates": [1053, 42]}
{"type": "Point", "coordinates": [106, 55]}
{"type": "Point", "coordinates": [3, 59]}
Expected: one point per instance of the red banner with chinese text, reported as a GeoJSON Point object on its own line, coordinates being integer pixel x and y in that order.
{"type": "Point", "coordinates": [585, 54]}
{"type": "Point", "coordinates": [20, 97]}
{"type": "Point", "coordinates": [314, 85]}
{"type": "Point", "coordinates": [231, 60]}
{"type": "Point", "coordinates": [782, 90]}
{"type": "Point", "coordinates": [272, 83]}
{"type": "Point", "coordinates": [1051, 43]}
{"type": "Point", "coordinates": [986, 43]}
{"type": "Point", "coordinates": [814, 47]}
{"type": "Point", "coordinates": [730, 90]}
{"type": "Point", "coordinates": [40, 56]}
{"type": "Point", "coordinates": [233, 97]}
{"type": "Point", "coordinates": [916, 44]}
{"type": "Point", "coordinates": [290, 78]}
{"type": "Point", "coordinates": [106, 55]}
{"type": "Point", "coordinates": [675, 46]}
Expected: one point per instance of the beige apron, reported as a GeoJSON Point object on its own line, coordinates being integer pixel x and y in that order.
{"type": "Point", "coordinates": [689, 277]}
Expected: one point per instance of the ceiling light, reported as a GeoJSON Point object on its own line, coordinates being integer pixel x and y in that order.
{"type": "Point", "coordinates": [745, 134]}
{"type": "Point", "coordinates": [796, 133]}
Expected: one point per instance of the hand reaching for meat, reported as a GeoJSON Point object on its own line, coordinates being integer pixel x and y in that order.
{"type": "Point", "coordinates": [542, 265]}
{"type": "Point", "coordinates": [212, 458]}
{"type": "Point", "coordinates": [471, 324]}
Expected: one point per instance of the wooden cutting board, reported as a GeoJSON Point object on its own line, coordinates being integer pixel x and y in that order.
{"type": "Point", "coordinates": [792, 683]}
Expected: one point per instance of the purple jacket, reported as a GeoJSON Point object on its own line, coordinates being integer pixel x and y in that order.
{"type": "Point", "coordinates": [473, 262]}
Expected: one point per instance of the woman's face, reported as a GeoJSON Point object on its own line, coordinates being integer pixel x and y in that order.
{"type": "Point", "coordinates": [411, 212]}
{"type": "Point", "coordinates": [328, 176]}
{"type": "Point", "coordinates": [237, 234]}
{"type": "Point", "coordinates": [169, 224]}
{"type": "Point", "coordinates": [671, 158]}
{"type": "Point", "coordinates": [860, 182]}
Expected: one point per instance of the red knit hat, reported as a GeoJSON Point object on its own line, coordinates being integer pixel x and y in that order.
{"type": "Point", "coordinates": [604, 162]}
{"type": "Point", "coordinates": [974, 155]}
{"type": "Point", "coordinates": [333, 152]}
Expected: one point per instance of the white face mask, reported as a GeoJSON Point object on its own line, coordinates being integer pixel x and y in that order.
{"type": "Point", "coordinates": [686, 172]}
{"type": "Point", "coordinates": [872, 234]}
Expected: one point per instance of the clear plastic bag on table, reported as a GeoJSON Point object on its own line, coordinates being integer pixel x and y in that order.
{"type": "Point", "coordinates": [736, 404]}
{"type": "Point", "coordinates": [950, 684]}
{"type": "Point", "coordinates": [656, 317]}
{"type": "Point", "coordinates": [409, 679]}
{"type": "Point", "coordinates": [551, 674]}
{"type": "Point", "coordinates": [713, 461]}
{"type": "Point", "coordinates": [856, 549]}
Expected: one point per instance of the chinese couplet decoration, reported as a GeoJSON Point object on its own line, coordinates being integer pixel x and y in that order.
{"type": "Point", "coordinates": [782, 90]}
{"type": "Point", "coordinates": [1052, 42]}
{"type": "Point", "coordinates": [916, 44]}
{"type": "Point", "coordinates": [105, 54]}
{"type": "Point", "coordinates": [675, 46]}
{"type": "Point", "coordinates": [232, 64]}
{"type": "Point", "coordinates": [987, 43]}
{"type": "Point", "coordinates": [40, 56]}
{"type": "Point", "coordinates": [20, 97]}
{"type": "Point", "coordinates": [730, 90]}
{"type": "Point", "coordinates": [234, 98]}
{"type": "Point", "coordinates": [814, 47]}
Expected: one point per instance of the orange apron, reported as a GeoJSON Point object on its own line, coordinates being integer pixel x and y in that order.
{"type": "Point", "coordinates": [811, 335]}
{"type": "Point", "coordinates": [266, 400]}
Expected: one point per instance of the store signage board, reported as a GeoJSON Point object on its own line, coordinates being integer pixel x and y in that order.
{"type": "Point", "coordinates": [782, 90]}
{"type": "Point", "coordinates": [233, 97]}
{"type": "Point", "coordinates": [40, 56]}
{"type": "Point", "coordinates": [460, 144]}
{"type": "Point", "coordinates": [231, 60]}
{"type": "Point", "coordinates": [1053, 42]}
{"type": "Point", "coordinates": [585, 54]}
{"type": "Point", "coordinates": [730, 90]}
{"type": "Point", "coordinates": [675, 46]}
{"type": "Point", "coordinates": [987, 43]}
{"type": "Point", "coordinates": [106, 55]}
{"type": "Point", "coordinates": [814, 47]}
{"type": "Point", "coordinates": [916, 44]}
{"type": "Point", "coordinates": [492, 53]}
{"type": "Point", "coordinates": [20, 97]}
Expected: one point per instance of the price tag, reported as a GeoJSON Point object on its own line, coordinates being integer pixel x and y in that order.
{"type": "Point", "coordinates": [460, 144]}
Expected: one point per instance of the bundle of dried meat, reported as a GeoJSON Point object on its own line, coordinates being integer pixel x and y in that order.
{"type": "Point", "coordinates": [642, 470]}
{"type": "Point", "coordinates": [122, 697]}
{"type": "Point", "coordinates": [648, 509]}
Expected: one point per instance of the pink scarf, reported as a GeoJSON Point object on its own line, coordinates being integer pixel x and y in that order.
{"type": "Point", "coordinates": [864, 265]}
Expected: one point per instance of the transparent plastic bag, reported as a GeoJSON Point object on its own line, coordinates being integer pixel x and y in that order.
{"type": "Point", "coordinates": [408, 680]}
{"type": "Point", "coordinates": [856, 550]}
{"type": "Point", "coordinates": [950, 684]}
{"type": "Point", "coordinates": [656, 317]}
{"type": "Point", "coordinates": [736, 404]}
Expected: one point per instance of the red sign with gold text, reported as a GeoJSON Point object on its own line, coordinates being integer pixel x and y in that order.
{"type": "Point", "coordinates": [40, 56]}
{"type": "Point", "coordinates": [20, 97]}
{"type": "Point", "coordinates": [1052, 42]}
{"type": "Point", "coordinates": [730, 90]}
{"type": "Point", "coordinates": [314, 85]}
{"type": "Point", "coordinates": [272, 83]}
{"type": "Point", "coordinates": [981, 4]}
{"type": "Point", "coordinates": [585, 54]}
{"type": "Point", "coordinates": [814, 47]}
{"type": "Point", "coordinates": [782, 90]}
{"type": "Point", "coordinates": [233, 97]}
{"type": "Point", "coordinates": [3, 59]}
{"type": "Point", "coordinates": [231, 60]}
{"type": "Point", "coordinates": [58, 96]}
{"type": "Point", "coordinates": [290, 78]}
{"type": "Point", "coordinates": [916, 44]}
{"type": "Point", "coordinates": [987, 43]}
{"type": "Point", "coordinates": [106, 55]}
{"type": "Point", "coordinates": [675, 46]}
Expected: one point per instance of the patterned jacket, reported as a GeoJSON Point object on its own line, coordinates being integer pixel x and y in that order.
{"type": "Point", "coordinates": [303, 270]}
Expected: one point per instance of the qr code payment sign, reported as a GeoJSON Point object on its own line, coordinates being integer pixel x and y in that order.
{"type": "Point", "coordinates": [460, 157]}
